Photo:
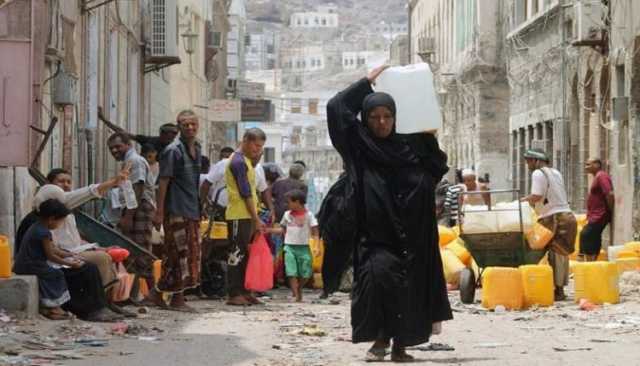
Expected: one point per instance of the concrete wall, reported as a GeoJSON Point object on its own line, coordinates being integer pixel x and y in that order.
{"type": "Point", "coordinates": [625, 154]}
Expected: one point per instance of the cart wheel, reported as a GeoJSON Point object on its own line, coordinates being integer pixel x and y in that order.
{"type": "Point", "coordinates": [467, 286]}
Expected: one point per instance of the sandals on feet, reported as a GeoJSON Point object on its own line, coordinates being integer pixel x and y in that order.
{"type": "Point", "coordinates": [54, 315]}
{"type": "Point", "coordinates": [401, 356]}
{"type": "Point", "coordinates": [376, 354]}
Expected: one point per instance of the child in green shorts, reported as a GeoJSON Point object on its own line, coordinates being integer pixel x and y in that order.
{"type": "Point", "coordinates": [298, 225]}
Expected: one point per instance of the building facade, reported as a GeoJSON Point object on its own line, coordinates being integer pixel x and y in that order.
{"type": "Point", "coordinates": [624, 63]}
{"type": "Point", "coordinates": [319, 19]}
{"type": "Point", "coordinates": [262, 49]}
{"type": "Point", "coordinates": [236, 40]}
{"type": "Point", "coordinates": [462, 42]}
{"type": "Point", "coordinates": [101, 60]}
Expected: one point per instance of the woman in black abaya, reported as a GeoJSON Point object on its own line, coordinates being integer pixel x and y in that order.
{"type": "Point", "coordinates": [399, 289]}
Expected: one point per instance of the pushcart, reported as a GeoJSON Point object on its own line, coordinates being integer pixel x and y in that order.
{"type": "Point", "coordinates": [496, 249]}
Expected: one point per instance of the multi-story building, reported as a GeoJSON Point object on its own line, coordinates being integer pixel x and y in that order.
{"type": "Point", "coordinates": [84, 59]}
{"type": "Point", "coordinates": [571, 72]}
{"type": "Point", "coordinates": [262, 47]}
{"type": "Point", "coordinates": [299, 64]}
{"type": "Point", "coordinates": [624, 151]}
{"type": "Point", "coordinates": [236, 40]}
{"type": "Point", "coordinates": [357, 59]}
{"type": "Point", "coordinates": [558, 92]}
{"type": "Point", "coordinates": [391, 30]}
{"type": "Point", "coordinates": [463, 44]}
{"type": "Point", "coordinates": [78, 62]}
{"type": "Point", "coordinates": [324, 17]}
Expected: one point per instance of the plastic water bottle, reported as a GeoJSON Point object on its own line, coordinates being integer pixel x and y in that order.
{"type": "Point", "coordinates": [129, 195]}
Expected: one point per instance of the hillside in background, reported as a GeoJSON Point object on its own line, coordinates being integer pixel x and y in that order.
{"type": "Point", "coordinates": [361, 12]}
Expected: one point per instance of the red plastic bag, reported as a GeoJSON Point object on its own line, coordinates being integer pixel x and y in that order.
{"type": "Point", "coordinates": [122, 288]}
{"type": "Point", "coordinates": [118, 255]}
{"type": "Point", "coordinates": [259, 275]}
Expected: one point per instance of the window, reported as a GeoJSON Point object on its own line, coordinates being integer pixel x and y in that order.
{"type": "Point", "coordinates": [623, 139]}
{"type": "Point", "coordinates": [247, 40]}
{"type": "Point", "coordinates": [296, 104]}
{"type": "Point", "coordinates": [620, 81]}
{"type": "Point", "coordinates": [324, 21]}
{"type": "Point", "coordinates": [313, 106]}
{"type": "Point", "coordinates": [269, 154]}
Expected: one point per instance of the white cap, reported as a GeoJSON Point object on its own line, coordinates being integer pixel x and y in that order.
{"type": "Point", "coordinates": [47, 192]}
{"type": "Point", "coordinates": [468, 173]}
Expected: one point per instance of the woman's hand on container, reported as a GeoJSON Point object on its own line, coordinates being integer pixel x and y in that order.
{"type": "Point", "coordinates": [373, 75]}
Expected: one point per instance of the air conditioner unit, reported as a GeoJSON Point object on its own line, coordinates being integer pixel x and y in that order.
{"type": "Point", "coordinates": [215, 40]}
{"type": "Point", "coordinates": [588, 22]}
{"type": "Point", "coordinates": [620, 110]}
{"type": "Point", "coordinates": [163, 33]}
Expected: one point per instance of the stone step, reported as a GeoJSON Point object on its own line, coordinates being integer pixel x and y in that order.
{"type": "Point", "coordinates": [19, 295]}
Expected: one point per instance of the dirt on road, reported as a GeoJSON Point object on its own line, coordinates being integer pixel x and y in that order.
{"type": "Point", "coordinates": [317, 332]}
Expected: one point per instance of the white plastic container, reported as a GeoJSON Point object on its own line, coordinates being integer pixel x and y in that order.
{"type": "Point", "coordinates": [477, 220]}
{"type": "Point", "coordinates": [416, 101]}
{"type": "Point", "coordinates": [509, 216]}
{"type": "Point", "coordinates": [129, 195]}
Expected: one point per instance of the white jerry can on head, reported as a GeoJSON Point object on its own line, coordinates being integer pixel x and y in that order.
{"type": "Point", "coordinates": [414, 93]}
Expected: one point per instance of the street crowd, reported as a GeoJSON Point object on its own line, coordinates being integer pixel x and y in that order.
{"type": "Point", "coordinates": [381, 217]}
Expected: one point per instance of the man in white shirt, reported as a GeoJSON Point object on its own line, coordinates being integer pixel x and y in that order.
{"type": "Point", "coordinates": [549, 194]}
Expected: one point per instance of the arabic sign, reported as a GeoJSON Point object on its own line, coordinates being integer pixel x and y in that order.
{"type": "Point", "coordinates": [257, 110]}
{"type": "Point", "coordinates": [224, 110]}
{"type": "Point", "coordinates": [250, 90]}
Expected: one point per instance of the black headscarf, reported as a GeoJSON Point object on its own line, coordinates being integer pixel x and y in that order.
{"type": "Point", "coordinates": [374, 100]}
{"type": "Point", "coordinates": [398, 150]}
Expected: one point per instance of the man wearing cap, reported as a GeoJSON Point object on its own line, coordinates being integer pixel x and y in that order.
{"type": "Point", "coordinates": [549, 197]}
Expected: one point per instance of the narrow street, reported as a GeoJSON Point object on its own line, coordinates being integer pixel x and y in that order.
{"type": "Point", "coordinates": [271, 335]}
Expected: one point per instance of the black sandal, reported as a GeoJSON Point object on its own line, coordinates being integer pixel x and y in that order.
{"type": "Point", "coordinates": [400, 355]}
{"type": "Point", "coordinates": [376, 354]}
